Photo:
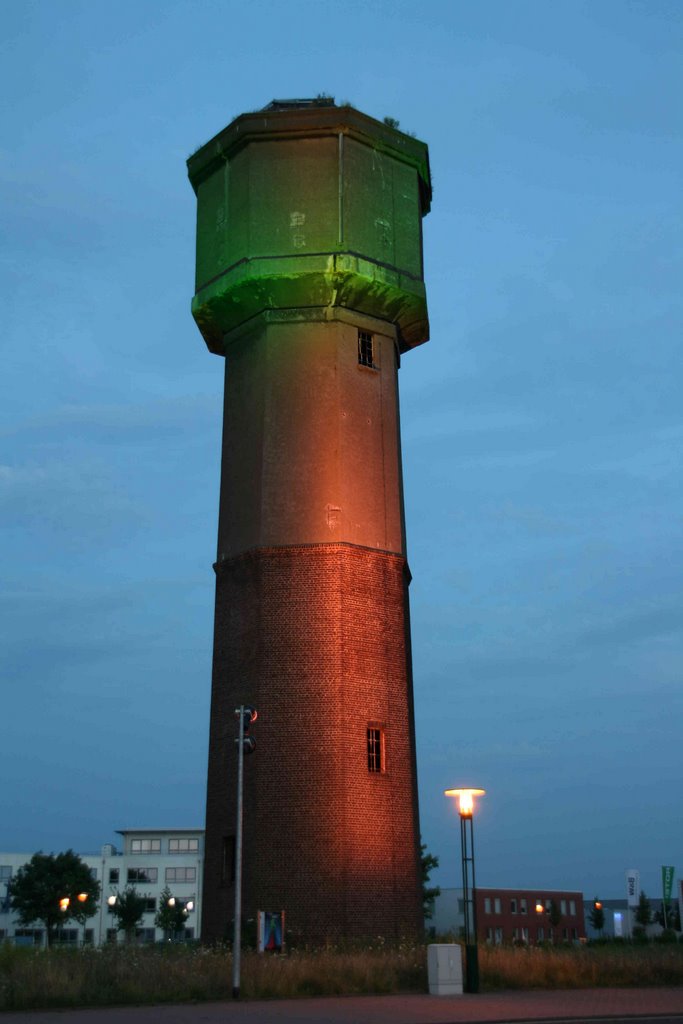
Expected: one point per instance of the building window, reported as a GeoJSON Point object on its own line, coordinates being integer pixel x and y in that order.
{"type": "Point", "coordinates": [142, 875]}
{"type": "Point", "coordinates": [487, 904]}
{"type": "Point", "coordinates": [145, 846]}
{"type": "Point", "coordinates": [181, 874]}
{"type": "Point", "coordinates": [575, 934]}
{"type": "Point", "coordinates": [183, 845]}
{"type": "Point", "coordinates": [365, 349]}
{"type": "Point", "coordinates": [145, 934]}
{"type": "Point", "coordinates": [112, 934]}
{"type": "Point", "coordinates": [563, 907]}
{"type": "Point", "coordinates": [5, 872]}
{"type": "Point", "coordinates": [228, 860]}
{"type": "Point", "coordinates": [67, 936]}
{"type": "Point", "coordinates": [525, 935]}
{"type": "Point", "coordinates": [499, 936]}
{"type": "Point", "coordinates": [572, 908]}
{"type": "Point", "coordinates": [489, 935]}
{"type": "Point", "coordinates": [565, 934]}
{"type": "Point", "coordinates": [496, 905]}
{"type": "Point", "coordinates": [375, 738]}
{"type": "Point", "coordinates": [189, 934]}
{"type": "Point", "coordinates": [522, 905]}
{"type": "Point", "coordinates": [113, 876]}
{"type": "Point", "coordinates": [540, 935]}
{"type": "Point", "coordinates": [28, 936]}
{"type": "Point", "coordinates": [513, 908]}
{"type": "Point", "coordinates": [89, 937]}
{"type": "Point", "coordinates": [150, 905]}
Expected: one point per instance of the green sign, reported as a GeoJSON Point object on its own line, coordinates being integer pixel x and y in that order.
{"type": "Point", "coordinates": [667, 882]}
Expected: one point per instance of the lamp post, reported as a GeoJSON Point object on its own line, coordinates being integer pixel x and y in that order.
{"type": "Point", "coordinates": [465, 798]}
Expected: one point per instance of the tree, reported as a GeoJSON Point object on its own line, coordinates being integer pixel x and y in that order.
{"type": "Point", "coordinates": [597, 916]}
{"type": "Point", "coordinates": [554, 914]}
{"type": "Point", "coordinates": [428, 862]}
{"type": "Point", "coordinates": [643, 911]}
{"type": "Point", "coordinates": [171, 915]}
{"type": "Point", "coordinates": [672, 919]}
{"type": "Point", "coordinates": [128, 910]}
{"type": "Point", "coordinates": [54, 889]}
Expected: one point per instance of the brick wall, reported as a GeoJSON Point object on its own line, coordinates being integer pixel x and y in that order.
{"type": "Point", "coordinates": [316, 637]}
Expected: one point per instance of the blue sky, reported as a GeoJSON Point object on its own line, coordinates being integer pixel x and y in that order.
{"type": "Point", "coordinates": [542, 424]}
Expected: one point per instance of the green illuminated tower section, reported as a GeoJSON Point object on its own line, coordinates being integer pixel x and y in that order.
{"type": "Point", "coordinates": [310, 284]}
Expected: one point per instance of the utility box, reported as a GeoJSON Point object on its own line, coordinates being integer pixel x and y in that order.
{"type": "Point", "coordinates": [444, 969]}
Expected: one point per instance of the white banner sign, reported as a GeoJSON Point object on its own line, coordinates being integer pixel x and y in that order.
{"type": "Point", "coordinates": [632, 887]}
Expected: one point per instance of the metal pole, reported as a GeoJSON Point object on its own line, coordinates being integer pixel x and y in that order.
{"type": "Point", "coordinates": [237, 925]}
{"type": "Point", "coordinates": [469, 894]}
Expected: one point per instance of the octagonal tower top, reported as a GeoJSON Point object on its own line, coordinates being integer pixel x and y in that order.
{"type": "Point", "coordinates": [309, 204]}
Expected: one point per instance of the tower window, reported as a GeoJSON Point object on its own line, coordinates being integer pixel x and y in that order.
{"type": "Point", "coordinates": [375, 749]}
{"type": "Point", "coordinates": [365, 349]}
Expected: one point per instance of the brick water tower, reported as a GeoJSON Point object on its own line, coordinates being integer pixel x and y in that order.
{"type": "Point", "coordinates": [310, 284]}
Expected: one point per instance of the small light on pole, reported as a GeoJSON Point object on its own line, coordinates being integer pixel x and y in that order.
{"type": "Point", "coordinates": [465, 799]}
{"type": "Point", "coordinates": [64, 903]}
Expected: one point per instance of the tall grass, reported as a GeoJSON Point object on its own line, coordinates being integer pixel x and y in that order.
{"type": "Point", "coordinates": [118, 975]}
{"type": "Point", "coordinates": [613, 965]}
{"type": "Point", "coordinates": [32, 979]}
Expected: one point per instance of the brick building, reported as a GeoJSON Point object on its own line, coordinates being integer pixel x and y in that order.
{"type": "Point", "coordinates": [309, 284]}
{"type": "Point", "coordinates": [510, 915]}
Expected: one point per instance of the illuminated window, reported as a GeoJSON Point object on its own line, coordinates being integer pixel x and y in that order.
{"type": "Point", "coordinates": [365, 352]}
{"type": "Point", "coordinates": [375, 752]}
{"type": "Point", "coordinates": [183, 845]}
{"type": "Point", "coordinates": [145, 846]}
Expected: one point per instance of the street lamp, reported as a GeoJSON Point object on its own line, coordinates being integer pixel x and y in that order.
{"type": "Point", "coordinates": [465, 798]}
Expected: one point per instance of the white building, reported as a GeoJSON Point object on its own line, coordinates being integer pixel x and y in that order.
{"type": "Point", "coordinates": [150, 860]}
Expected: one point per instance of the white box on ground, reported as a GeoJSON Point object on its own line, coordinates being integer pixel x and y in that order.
{"type": "Point", "coordinates": [444, 969]}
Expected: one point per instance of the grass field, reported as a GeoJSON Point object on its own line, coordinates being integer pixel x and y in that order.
{"type": "Point", "coordinates": [118, 975]}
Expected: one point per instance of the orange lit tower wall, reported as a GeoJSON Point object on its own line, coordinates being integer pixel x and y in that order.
{"type": "Point", "coordinates": [309, 283]}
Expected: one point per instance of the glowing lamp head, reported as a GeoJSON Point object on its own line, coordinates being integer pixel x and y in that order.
{"type": "Point", "coordinates": [171, 902]}
{"type": "Point", "coordinates": [189, 905]}
{"type": "Point", "coordinates": [540, 908]}
{"type": "Point", "coordinates": [82, 897]}
{"type": "Point", "coordinates": [111, 900]}
{"type": "Point", "coordinates": [597, 905]}
{"type": "Point", "coordinates": [64, 903]}
{"type": "Point", "coordinates": [465, 798]}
